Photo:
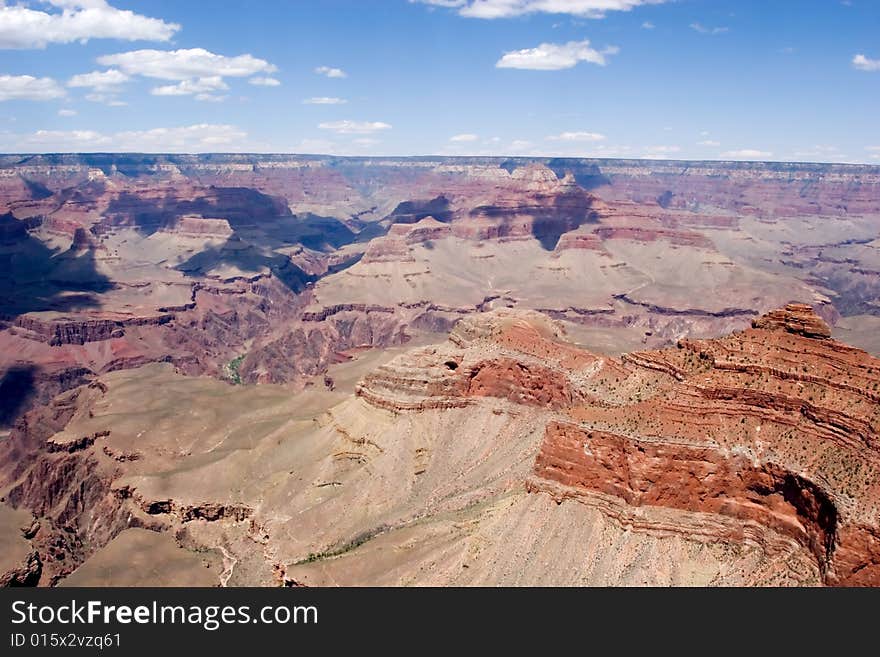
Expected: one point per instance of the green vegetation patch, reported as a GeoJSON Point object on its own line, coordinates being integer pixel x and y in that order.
{"type": "Point", "coordinates": [232, 369]}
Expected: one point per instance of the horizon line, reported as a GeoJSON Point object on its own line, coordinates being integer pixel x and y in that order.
{"type": "Point", "coordinates": [431, 156]}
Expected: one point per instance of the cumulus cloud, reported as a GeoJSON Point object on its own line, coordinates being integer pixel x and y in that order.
{"type": "Point", "coordinates": [104, 86]}
{"type": "Point", "coordinates": [99, 80]}
{"type": "Point", "coordinates": [555, 56]}
{"type": "Point", "coordinates": [577, 136]}
{"type": "Point", "coordinates": [68, 21]}
{"type": "Point", "coordinates": [265, 82]}
{"type": "Point", "coordinates": [648, 25]}
{"type": "Point", "coordinates": [864, 63]}
{"type": "Point", "coordinates": [702, 29]}
{"type": "Point", "coordinates": [201, 88]}
{"type": "Point", "coordinates": [186, 64]}
{"type": "Point", "coordinates": [66, 112]}
{"type": "Point", "coordinates": [747, 154]}
{"type": "Point", "coordinates": [198, 72]}
{"type": "Point", "coordinates": [204, 137]}
{"type": "Point", "coordinates": [464, 138]}
{"type": "Point", "coordinates": [354, 127]}
{"type": "Point", "coordinates": [324, 100]}
{"type": "Point", "coordinates": [510, 8]}
{"type": "Point", "coordinates": [27, 87]}
{"type": "Point", "coordinates": [331, 72]}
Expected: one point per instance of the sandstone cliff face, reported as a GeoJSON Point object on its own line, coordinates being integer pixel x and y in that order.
{"type": "Point", "coordinates": [535, 204]}
{"type": "Point", "coordinates": [198, 226]}
{"type": "Point", "coordinates": [422, 231]}
{"type": "Point", "coordinates": [775, 427]}
{"type": "Point", "coordinates": [527, 366]}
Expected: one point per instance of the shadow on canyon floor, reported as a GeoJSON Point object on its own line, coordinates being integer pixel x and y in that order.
{"type": "Point", "coordinates": [246, 258]}
{"type": "Point", "coordinates": [17, 388]}
{"type": "Point", "coordinates": [36, 278]}
{"type": "Point", "coordinates": [410, 212]}
{"type": "Point", "coordinates": [260, 224]}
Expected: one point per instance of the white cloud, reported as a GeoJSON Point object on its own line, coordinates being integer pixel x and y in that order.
{"type": "Point", "coordinates": [197, 87]}
{"type": "Point", "coordinates": [199, 72]}
{"type": "Point", "coordinates": [107, 99]}
{"type": "Point", "coordinates": [464, 138]}
{"type": "Point", "coordinates": [746, 154]}
{"type": "Point", "coordinates": [354, 127]}
{"type": "Point", "coordinates": [875, 149]}
{"type": "Point", "coordinates": [555, 56]}
{"type": "Point", "coordinates": [324, 100]}
{"type": "Point", "coordinates": [864, 63]}
{"type": "Point", "coordinates": [65, 140]}
{"type": "Point", "coordinates": [78, 20]}
{"type": "Point", "coordinates": [99, 80]}
{"type": "Point", "coordinates": [104, 85]}
{"type": "Point", "coordinates": [511, 8]}
{"type": "Point", "coordinates": [27, 87]}
{"type": "Point", "coordinates": [265, 82]}
{"type": "Point", "coordinates": [648, 25]}
{"type": "Point", "coordinates": [577, 136]}
{"type": "Point", "coordinates": [702, 29]}
{"type": "Point", "coordinates": [709, 142]}
{"type": "Point", "coordinates": [197, 138]}
{"type": "Point", "coordinates": [331, 72]}
{"type": "Point", "coordinates": [186, 64]}
{"type": "Point", "coordinates": [66, 112]}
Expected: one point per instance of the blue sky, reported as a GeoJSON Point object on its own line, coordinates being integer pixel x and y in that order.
{"type": "Point", "coordinates": [682, 79]}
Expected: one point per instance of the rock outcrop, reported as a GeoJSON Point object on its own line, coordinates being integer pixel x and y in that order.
{"type": "Point", "coordinates": [795, 318]}
{"type": "Point", "coordinates": [775, 427]}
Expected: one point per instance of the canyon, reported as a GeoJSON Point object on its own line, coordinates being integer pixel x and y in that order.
{"type": "Point", "coordinates": [310, 370]}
